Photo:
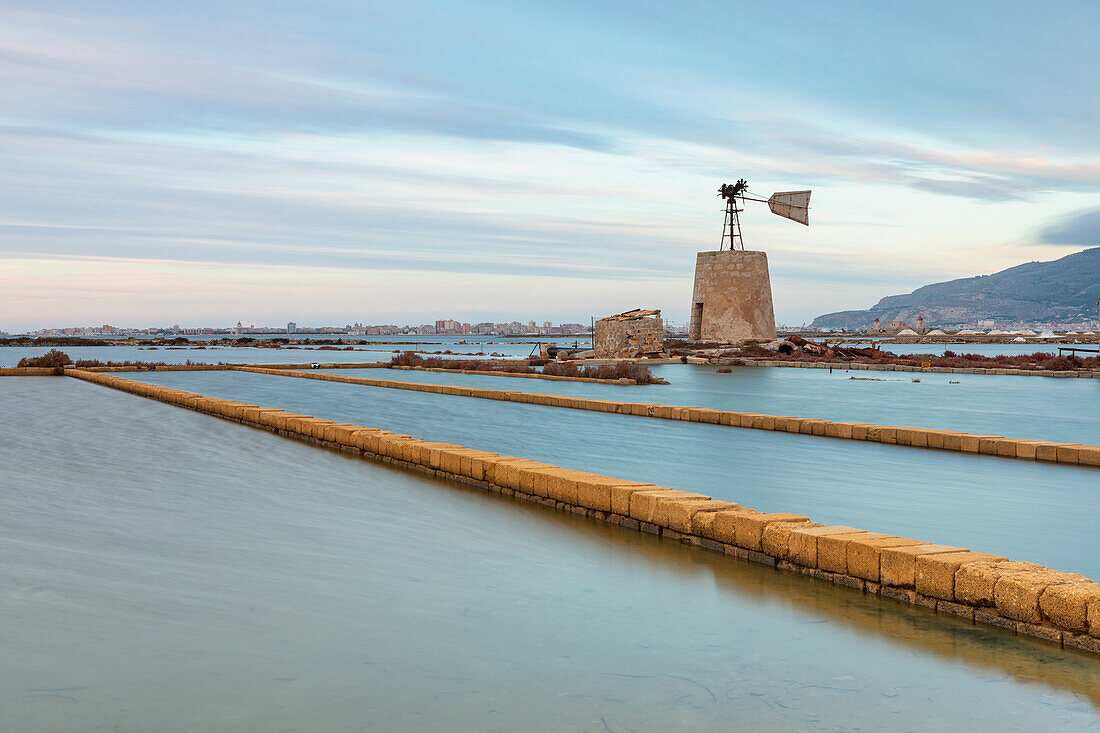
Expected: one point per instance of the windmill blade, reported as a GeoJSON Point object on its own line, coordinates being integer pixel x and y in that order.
{"type": "Point", "coordinates": [793, 205]}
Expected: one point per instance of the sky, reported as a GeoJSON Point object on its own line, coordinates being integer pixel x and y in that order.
{"type": "Point", "coordinates": [337, 161]}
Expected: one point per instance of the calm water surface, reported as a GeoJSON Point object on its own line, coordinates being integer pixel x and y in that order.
{"type": "Point", "coordinates": [514, 349]}
{"type": "Point", "coordinates": [168, 571]}
{"type": "Point", "coordinates": [1031, 511]}
{"type": "Point", "coordinates": [1040, 408]}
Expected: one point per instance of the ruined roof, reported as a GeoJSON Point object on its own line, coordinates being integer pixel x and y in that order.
{"type": "Point", "coordinates": [633, 315]}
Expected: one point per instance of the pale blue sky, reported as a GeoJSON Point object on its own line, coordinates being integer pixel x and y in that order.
{"type": "Point", "coordinates": [393, 162]}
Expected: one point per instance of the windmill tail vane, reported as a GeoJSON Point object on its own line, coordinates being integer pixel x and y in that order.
{"type": "Point", "coordinates": [793, 205]}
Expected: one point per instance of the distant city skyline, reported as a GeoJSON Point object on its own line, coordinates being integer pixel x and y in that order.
{"type": "Point", "coordinates": [304, 160]}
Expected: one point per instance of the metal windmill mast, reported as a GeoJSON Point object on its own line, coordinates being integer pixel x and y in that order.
{"type": "Point", "coordinates": [793, 205]}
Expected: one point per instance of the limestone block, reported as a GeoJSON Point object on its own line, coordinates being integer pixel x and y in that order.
{"type": "Point", "coordinates": [678, 514]}
{"type": "Point", "coordinates": [409, 450]}
{"type": "Point", "coordinates": [1088, 455]}
{"type": "Point", "coordinates": [622, 492]}
{"type": "Point", "coordinates": [1046, 452]}
{"type": "Point", "coordinates": [593, 491]}
{"type": "Point", "coordinates": [935, 574]}
{"type": "Point", "coordinates": [505, 471]}
{"type": "Point", "coordinates": [556, 483]}
{"type": "Point", "coordinates": [474, 462]}
{"type": "Point", "coordinates": [1094, 618]}
{"type": "Point", "coordinates": [451, 458]}
{"type": "Point", "coordinates": [299, 424]}
{"type": "Point", "coordinates": [749, 528]}
{"type": "Point", "coordinates": [775, 540]}
{"type": "Point", "coordinates": [832, 549]}
{"type": "Point", "coordinates": [1067, 604]}
{"type": "Point", "coordinates": [663, 412]}
{"type": "Point", "coordinates": [969, 443]}
{"type": "Point", "coordinates": [934, 438]}
{"type": "Point", "coordinates": [434, 452]}
{"type": "Point", "coordinates": [644, 504]}
{"type": "Point", "coordinates": [764, 422]}
{"type": "Point", "coordinates": [1069, 453]}
{"type": "Point", "coordinates": [1016, 595]}
{"type": "Point", "coordinates": [719, 525]}
{"type": "Point", "coordinates": [988, 445]}
{"type": "Point", "coordinates": [366, 439]}
{"type": "Point", "coordinates": [864, 555]}
{"type": "Point", "coordinates": [898, 565]}
{"type": "Point", "coordinates": [340, 433]}
{"type": "Point", "coordinates": [952, 440]}
{"type": "Point", "coordinates": [1027, 449]}
{"type": "Point", "coordinates": [802, 543]}
{"type": "Point", "coordinates": [707, 415]}
{"type": "Point", "coordinates": [844, 430]}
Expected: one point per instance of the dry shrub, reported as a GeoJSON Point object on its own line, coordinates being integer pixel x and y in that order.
{"type": "Point", "coordinates": [406, 358]}
{"type": "Point", "coordinates": [622, 370]}
{"type": "Point", "coordinates": [52, 358]}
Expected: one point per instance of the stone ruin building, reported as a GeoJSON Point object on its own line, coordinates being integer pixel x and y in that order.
{"type": "Point", "coordinates": [628, 335]}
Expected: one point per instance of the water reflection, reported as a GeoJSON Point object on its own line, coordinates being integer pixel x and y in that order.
{"type": "Point", "coordinates": [165, 570]}
{"type": "Point", "coordinates": [981, 502]}
{"type": "Point", "coordinates": [1038, 408]}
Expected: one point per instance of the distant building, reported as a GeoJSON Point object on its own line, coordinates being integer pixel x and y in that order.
{"type": "Point", "coordinates": [896, 326]}
{"type": "Point", "coordinates": [292, 327]}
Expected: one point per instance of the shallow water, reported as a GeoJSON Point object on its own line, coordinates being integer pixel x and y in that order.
{"type": "Point", "coordinates": [169, 571]}
{"type": "Point", "coordinates": [1025, 510]}
{"type": "Point", "coordinates": [1039, 408]}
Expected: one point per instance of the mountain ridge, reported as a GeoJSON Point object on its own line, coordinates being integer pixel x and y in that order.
{"type": "Point", "coordinates": [1056, 291]}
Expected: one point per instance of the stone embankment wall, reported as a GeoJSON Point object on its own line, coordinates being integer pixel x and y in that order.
{"type": "Point", "coordinates": [1021, 597]}
{"type": "Point", "coordinates": [364, 365]}
{"type": "Point", "coordinates": [994, 445]}
{"type": "Point", "coordinates": [522, 375]}
{"type": "Point", "coordinates": [27, 371]}
{"type": "Point", "coordinates": [863, 366]}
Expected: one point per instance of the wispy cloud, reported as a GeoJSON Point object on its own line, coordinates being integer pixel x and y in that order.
{"type": "Point", "coordinates": [575, 141]}
{"type": "Point", "coordinates": [1079, 229]}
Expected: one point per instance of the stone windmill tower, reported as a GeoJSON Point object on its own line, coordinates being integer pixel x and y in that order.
{"type": "Point", "coordinates": [732, 299]}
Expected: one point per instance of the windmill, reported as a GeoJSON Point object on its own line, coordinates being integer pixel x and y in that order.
{"type": "Point", "coordinates": [793, 205]}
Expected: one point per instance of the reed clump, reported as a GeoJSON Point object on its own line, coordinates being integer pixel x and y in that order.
{"type": "Point", "coordinates": [639, 373]}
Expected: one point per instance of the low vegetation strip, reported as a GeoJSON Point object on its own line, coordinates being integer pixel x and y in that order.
{"type": "Point", "coordinates": [1020, 597]}
{"type": "Point", "coordinates": [994, 445]}
{"type": "Point", "coordinates": [619, 372]}
{"type": "Point", "coordinates": [914, 365]}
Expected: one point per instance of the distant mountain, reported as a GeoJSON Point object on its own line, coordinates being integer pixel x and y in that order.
{"type": "Point", "coordinates": [1063, 290]}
